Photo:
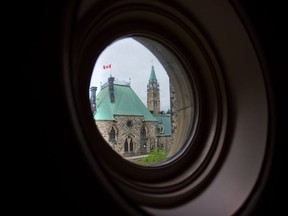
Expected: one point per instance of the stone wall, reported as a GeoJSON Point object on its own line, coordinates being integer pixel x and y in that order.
{"type": "Point", "coordinates": [165, 142]}
{"type": "Point", "coordinates": [174, 115]}
{"type": "Point", "coordinates": [129, 133]}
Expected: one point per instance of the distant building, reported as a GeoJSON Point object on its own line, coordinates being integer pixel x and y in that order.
{"type": "Point", "coordinates": [126, 123]}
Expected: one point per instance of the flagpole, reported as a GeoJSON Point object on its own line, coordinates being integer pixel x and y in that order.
{"type": "Point", "coordinates": [110, 70]}
{"type": "Point", "coordinates": [108, 66]}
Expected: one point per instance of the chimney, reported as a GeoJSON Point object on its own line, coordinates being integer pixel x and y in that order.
{"type": "Point", "coordinates": [111, 89]}
{"type": "Point", "coordinates": [93, 90]}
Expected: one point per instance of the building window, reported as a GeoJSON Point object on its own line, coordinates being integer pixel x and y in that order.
{"type": "Point", "coordinates": [128, 145]}
{"type": "Point", "coordinates": [112, 135]}
{"type": "Point", "coordinates": [129, 123]}
{"type": "Point", "coordinates": [131, 146]}
{"type": "Point", "coordinates": [161, 129]}
{"type": "Point", "coordinates": [211, 116]}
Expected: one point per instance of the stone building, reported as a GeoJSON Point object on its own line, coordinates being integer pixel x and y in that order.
{"type": "Point", "coordinates": [127, 125]}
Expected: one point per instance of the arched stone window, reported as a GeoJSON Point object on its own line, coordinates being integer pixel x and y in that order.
{"type": "Point", "coordinates": [128, 145]}
{"type": "Point", "coordinates": [113, 135]}
{"type": "Point", "coordinates": [131, 146]}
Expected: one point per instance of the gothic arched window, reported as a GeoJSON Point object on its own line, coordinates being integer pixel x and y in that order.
{"type": "Point", "coordinates": [112, 135]}
{"type": "Point", "coordinates": [128, 145]}
{"type": "Point", "coordinates": [131, 146]}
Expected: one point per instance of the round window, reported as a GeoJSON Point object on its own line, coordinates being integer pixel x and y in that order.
{"type": "Point", "coordinates": [129, 123]}
{"type": "Point", "coordinates": [177, 108]}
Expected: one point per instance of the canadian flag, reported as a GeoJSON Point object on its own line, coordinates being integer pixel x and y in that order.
{"type": "Point", "coordinates": [106, 66]}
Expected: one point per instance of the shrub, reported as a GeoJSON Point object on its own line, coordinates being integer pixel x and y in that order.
{"type": "Point", "coordinates": [155, 156]}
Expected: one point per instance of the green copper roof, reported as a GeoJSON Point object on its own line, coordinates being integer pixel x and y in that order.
{"type": "Point", "coordinates": [126, 103]}
{"type": "Point", "coordinates": [165, 120]}
{"type": "Point", "coordinates": [152, 75]}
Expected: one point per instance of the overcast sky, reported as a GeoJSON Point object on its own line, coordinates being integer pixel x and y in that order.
{"type": "Point", "coordinates": [130, 59]}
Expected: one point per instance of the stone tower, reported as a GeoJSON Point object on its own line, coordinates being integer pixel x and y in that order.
{"type": "Point", "coordinates": [93, 90]}
{"type": "Point", "coordinates": [153, 94]}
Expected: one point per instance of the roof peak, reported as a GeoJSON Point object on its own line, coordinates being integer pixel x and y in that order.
{"type": "Point", "coordinates": [152, 74]}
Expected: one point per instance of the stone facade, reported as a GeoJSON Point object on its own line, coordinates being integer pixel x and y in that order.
{"type": "Point", "coordinates": [174, 115]}
{"type": "Point", "coordinates": [165, 142]}
{"type": "Point", "coordinates": [129, 135]}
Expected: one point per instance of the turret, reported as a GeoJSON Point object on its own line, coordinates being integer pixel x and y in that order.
{"type": "Point", "coordinates": [153, 94]}
{"type": "Point", "coordinates": [93, 90]}
{"type": "Point", "coordinates": [111, 89]}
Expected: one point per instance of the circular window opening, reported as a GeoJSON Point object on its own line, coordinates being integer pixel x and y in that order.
{"type": "Point", "coordinates": [142, 101]}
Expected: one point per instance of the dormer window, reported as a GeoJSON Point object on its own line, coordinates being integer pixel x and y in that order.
{"type": "Point", "coordinates": [161, 129]}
